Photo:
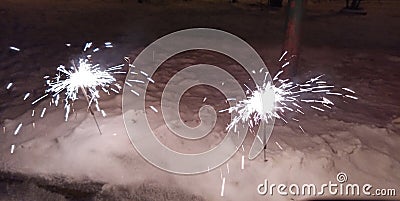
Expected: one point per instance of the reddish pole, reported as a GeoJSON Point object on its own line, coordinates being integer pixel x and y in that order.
{"type": "Point", "coordinates": [292, 37]}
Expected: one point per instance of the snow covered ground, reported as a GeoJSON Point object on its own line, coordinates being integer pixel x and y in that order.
{"type": "Point", "coordinates": [359, 138]}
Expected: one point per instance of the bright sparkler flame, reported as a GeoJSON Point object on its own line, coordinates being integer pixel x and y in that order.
{"type": "Point", "coordinates": [260, 105]}
{"type": "Point", "coordinates": [273, 100]}
{"type": "Point", "coordinates": [83, 76]}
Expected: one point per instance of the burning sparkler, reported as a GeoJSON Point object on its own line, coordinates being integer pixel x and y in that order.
{"type": "Point", "coordinates": [85, 76]}
{"type": "Point", "coordinates": [274, 99]}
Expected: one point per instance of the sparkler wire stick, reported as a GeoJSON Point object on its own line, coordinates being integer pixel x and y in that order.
{"type": "Point", "coordinates": [90, 108]}
{"type": "Point", "coordinates": [265, 142]}
{"type": "Point", "coordinates": [88, 101]}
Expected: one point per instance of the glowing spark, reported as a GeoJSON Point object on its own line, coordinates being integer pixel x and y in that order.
{"type": "Point", "coordinates": [134, 92]}
{"type": "Point", "coordinates": [242, 162]}
{"type": "Point", "coordinates": [15, 48]}
{"type": "Point", "coordinates": [153, 108]}
{"type": "Point", "coordinates": [26, 96]}
{"type": "Point", "coordinates": [284, 65]}
{"type": "Point", "coordinates": [137, 81]}
{"type": "Point", "coordinates": [349, 90]}
{"type": "Point", "coordinates": [299, 111]}
{"type": "Point", "coordinates": [314, 79]}
{"type": "Point", "coordinates": [279, 146]}
{"type": "Point", "coordinates": [67, 111]}
{"type": "Point", "coordinates": [9, 85]}
{"type": "Point", "coordinates": [297, 105]}
{"type": "Point", "coordinates": [277, 75]}
{"type": "Point", "coordinates": [224, 110]}
{"type": "Point", "coordinates": [87, 46]}
{"type": "Point", "coordinates": [223, 187]}
{"type": "Point", "coordinates": [12, 148]}
{"type": "Point", "coordinates": [283, 55]}
{"type": "Point", "coordinates": [326, 101]}
{"type": "Point", "coordinates": [333, 93]}
{"type": "Point", "coordinates": [108, 44]}
{"type": "Point", "coordinates": [352, 97]}
{"type": "Point", "coordinates": [103, 113]}
{"type": "Point", "coordinates": [40, 98]}
{"type": "Point", "coordinates": [204, 99]}
{"type": "Point", "coordinates": [113, 68]}
{"type": "Point", "coordinates": [18, 128]}
{"type": "Point", "coordinates": [317, 108]}
{"type": "Point", "coordinates": [42, 114]}
{"type": "Point", "coordinates": [56, 99]}
{"type": "Point", "coordinates": [129, 84]}
{"type": "Point", "coordinates": [301, 128]}
{"type": "Point", "coordinates": [143, 73]}
{"type": "Point", "coordinates": [258, 138]}
{"type": "Point", "coordinates": [151, 80]}
{"type": "Point", "coordinates": [114, 90]}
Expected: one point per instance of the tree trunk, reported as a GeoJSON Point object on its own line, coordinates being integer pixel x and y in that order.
{"type": "Point", "coordinates": [292, 37]}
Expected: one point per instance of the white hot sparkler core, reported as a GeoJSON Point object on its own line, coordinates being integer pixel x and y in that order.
{"type": "Point", "coordinates": [260, 105]}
